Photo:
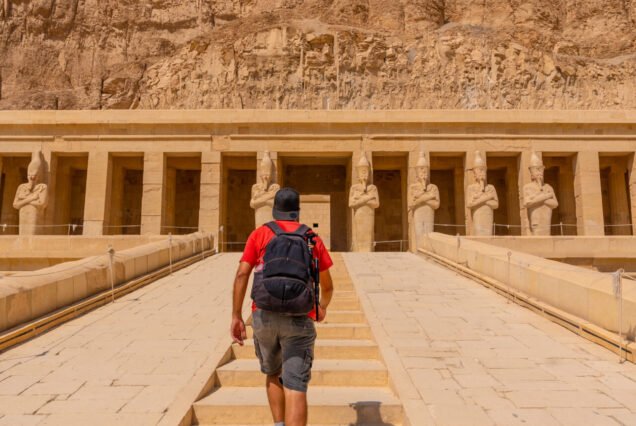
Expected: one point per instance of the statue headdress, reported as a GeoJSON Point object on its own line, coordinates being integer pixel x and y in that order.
{"type": "Point", "coordinates": [535, 160]}
{"type": "Point", "coordinates": [267, 164]}
{"type": "Point", "coordinates": [35, 166]}
{"type": "Point", "coordinates": [364, 162]}
{"type": "Point", "coordinates": [422, 161]}
{"type": "Point", "coordinates": [480, 161]}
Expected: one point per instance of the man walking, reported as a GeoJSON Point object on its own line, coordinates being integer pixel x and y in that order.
{"type": "Point", "coordinates": [282, 314]}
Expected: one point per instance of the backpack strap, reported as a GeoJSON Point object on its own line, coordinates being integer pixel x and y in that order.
{"type": "Point", "coordinates": [302, 230]}
{"type": "Point", "coordinates": [275, 228]}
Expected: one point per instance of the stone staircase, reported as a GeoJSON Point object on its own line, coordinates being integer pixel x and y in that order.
{"type": "Point", "coordinates": [349, 385]}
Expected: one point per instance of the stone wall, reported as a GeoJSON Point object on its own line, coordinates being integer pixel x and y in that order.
{"type": "Point", "coordinates": [317, 54]}
{"type": "Point", "coordinates": [26, 296]}
{"type": "Point", "coordinates": [585, 294]}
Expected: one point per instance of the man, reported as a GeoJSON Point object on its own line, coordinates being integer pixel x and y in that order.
{"type": "Point", "coordinates": [284, 344]}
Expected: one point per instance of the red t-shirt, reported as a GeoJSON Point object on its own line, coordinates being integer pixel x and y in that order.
{"type": "Point", "coordinates": [260, 237]}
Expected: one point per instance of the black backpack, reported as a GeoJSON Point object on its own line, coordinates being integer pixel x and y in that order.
{"type": "Point", "coordinates": [285, 284]}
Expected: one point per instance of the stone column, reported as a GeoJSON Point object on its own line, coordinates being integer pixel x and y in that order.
{"type": "Point", "coordinates": [618, 200]}
{"type": "Point", "coordinates": [209, 208]}
{"type": "Point", "coordinates": [524, 178]}
{"type": "Point", "coordinates": [154, 167]}
{"type": "Point", "coordinates": [632, 189]}
{"type": "Point", "coordinates": [97, 185]}
{"type": "Point", "coordinates": [587, 192]}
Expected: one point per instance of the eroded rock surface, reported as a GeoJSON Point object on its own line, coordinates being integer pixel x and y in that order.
{"type": "Point", "coordinates": [368, 54]}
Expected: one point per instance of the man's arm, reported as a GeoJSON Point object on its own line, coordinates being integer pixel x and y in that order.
{"type": "Point", "coordinates": [237, 329]}
{"type": "Point", "coordinates": [326, 292]}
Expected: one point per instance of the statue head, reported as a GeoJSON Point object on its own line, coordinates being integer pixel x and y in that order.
{"type": "Point", "coordinates": [364, 169]}
{"type": "Point", "coordinates": [479, 167]}
{"type": "Point", "coordinates": [266, 169]}
{"type": "Point", "coordinates": [536, 168]}
{"type": "Point", "coordinates": [34, 171]}
{"type": "Point", "coordinates": [422, 169]}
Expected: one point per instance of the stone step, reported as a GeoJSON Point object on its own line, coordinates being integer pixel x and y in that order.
{"type": "Point", "coordinates": [329, 406]}
{"type": "Point", "coordinates": [345, 317]}
{"type": "Point", "coordinates": [324, 349]}
{"type": "Point", "coordinates": [344, 304]}
{"type": "Point", "coordinates": [348, 373]}
{"type": "Point", "coordinates": [336, 331]}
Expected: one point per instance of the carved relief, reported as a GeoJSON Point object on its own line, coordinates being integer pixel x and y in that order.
{"type": "Point", "coordinates": [481, 199]}
{"type": "Point", "coordinates": [31, 198]}
{"type": "Point", "coordinates": [363, 200]}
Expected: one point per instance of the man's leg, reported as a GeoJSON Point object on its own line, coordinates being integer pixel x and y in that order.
{"type": "Point", "coordinates": [269, 353]}
{"type": "Point", "coordinates": [276, 398]}
{"type": "Point", "coordinates": [295, 408]}
{"type": "Point", "coordinates": [297, 338]}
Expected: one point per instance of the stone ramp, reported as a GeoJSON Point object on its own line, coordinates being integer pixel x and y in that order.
{"type": "Point", "coordinates": [132, 362]}
{"type": "Point", "coordinates": [459, 353]}
{"type": "Point", "coordinates": [350, 382]}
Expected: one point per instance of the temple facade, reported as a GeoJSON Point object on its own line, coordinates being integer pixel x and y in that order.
{"type": "Point", "coordinates": [159, 172]}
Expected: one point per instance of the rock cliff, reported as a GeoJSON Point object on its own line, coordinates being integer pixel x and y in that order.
{"type": "Point", "coordinates": [367, 54]}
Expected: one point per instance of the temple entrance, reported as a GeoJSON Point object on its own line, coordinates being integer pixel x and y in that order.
{"type": "Point", "coordinates": [559, 173]}
{"type": "Point", "coordinates": [503, 174]}
{"type": "Point", "coordinates": [67, 207]}
{"type": "Point", "coordinates": [13, 174]}
{"type": "Point", "coordinates": [239, 174]}
{"type": "Point", "coordinates": [180, 207]}
{"type": "Point", "coordinates": [447, 172]}
{"type": "Point", "coordinates": [315, 178]}
{"type": "Point", "coordinates": [123, 212]}
{"type": "Point", "coordinates": [615, 170]}
{"type": "Point", "coordinates": [391, 224]}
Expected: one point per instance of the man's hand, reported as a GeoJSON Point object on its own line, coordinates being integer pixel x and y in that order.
{"type": "Point", "coordinates": [237, 330]}
{"type": "Point", "coordinates": [322, 313]}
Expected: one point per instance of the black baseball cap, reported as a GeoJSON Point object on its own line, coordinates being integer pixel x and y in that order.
{"type": "Point", "coordinates": [286, 204]}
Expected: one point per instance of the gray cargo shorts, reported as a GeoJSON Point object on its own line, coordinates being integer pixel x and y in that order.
{"type": "Point", "coordinates": [285, 346]}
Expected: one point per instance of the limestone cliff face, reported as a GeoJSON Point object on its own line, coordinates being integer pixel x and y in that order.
{"type": "Point", "coordinates": [367, 54]}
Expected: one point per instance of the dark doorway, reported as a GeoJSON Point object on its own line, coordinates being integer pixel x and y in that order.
{"type": "Point", "coordinates": [14, 173]}
{"type": "Point", "coordinates": [180, 213]}
{"type": "Point", "coordinates": [240, 221]}
{"type": "Point", "coordinates": [125, 195]}
{"type": "Point", "coordinates": [389, 224]}
{"type": "Point", "coordinates": [503, 174]}
{"type": "Point", "coordinates": [617, 215]}
{"type": "Point", "coordinates": [70, 194]}
{"type": "Point", "coordinates": [447, 172]}
{"type": "Point", "coordinates": [311, 176]}
{"type": "Point", "coordinates": [559, 173]}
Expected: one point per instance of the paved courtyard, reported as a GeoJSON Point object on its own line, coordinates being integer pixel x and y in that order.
{"type": "Point", "coordinates": [128, 362]}
{"type": "Point", "coordinates": [461, 354]}
{"type": "Point", "coordinates": [457, 353]}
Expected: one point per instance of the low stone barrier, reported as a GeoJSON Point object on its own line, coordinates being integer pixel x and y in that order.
{"type": "Point", "coordinates": [576, 291]}
{"type": "Point", "coordinates": [26, 296]}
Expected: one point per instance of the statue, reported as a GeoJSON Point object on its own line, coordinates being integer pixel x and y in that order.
{"type": "Point", "coordinates": [423, 201]}
{"type": "Point", "coordinates": [481, 199]}
{"type": "Point", "coordinates": [31, 198]}
{"type": "Point", "coordinates": [539, 199]}
{"type": "Point", "coordinates": [263, 192]}
{"type": "Point", "coordinates": [363, 199]}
